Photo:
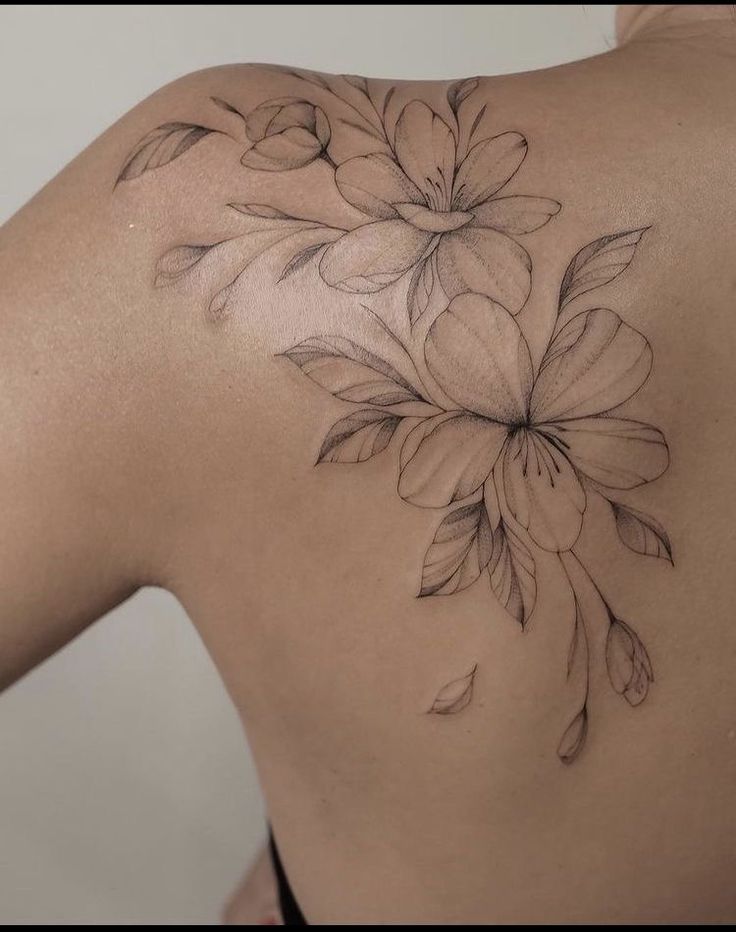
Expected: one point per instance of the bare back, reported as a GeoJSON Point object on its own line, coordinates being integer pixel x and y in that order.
{"type": "Point", "coordinates": [417, 396]}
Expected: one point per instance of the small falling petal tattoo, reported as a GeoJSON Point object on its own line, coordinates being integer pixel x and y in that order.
{"type": "Point", "coordinates": [455, 696]}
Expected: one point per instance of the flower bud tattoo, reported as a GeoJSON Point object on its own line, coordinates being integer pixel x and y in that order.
{"type": "Point", "coordinates": [286, 133]}
{"type": "Point", "coordinates": [629, 667]}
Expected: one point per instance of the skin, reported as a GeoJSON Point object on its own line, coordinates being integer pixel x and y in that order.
{"type": "Point", "coordinates": [143, 445]}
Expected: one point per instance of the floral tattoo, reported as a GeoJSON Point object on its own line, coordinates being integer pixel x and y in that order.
{"type": "Point", "coordinates": [507, 450]}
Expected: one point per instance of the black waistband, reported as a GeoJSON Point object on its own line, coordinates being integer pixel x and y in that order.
{"type": "Point", "coordinates": [290, 911]}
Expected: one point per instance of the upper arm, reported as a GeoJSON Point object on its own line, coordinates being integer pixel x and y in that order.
{"type": "Point", "coordinates": [87, 355]}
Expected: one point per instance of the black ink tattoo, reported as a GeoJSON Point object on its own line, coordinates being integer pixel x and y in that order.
{"type": "Point", "coordinates": [431, 196]}
{"type": "Point", "coordinates": [507, 449]}
{"type": "Point", "coordinates": [161, 146]}
{"type": "Point", "coordinates": [455, 696]}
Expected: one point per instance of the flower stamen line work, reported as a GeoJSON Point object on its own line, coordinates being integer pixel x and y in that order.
{"type": "Point", "coordinates": [506, 452]}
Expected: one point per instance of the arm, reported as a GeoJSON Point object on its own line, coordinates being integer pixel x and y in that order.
{"type": "Point", "coordinates": [83, 357]}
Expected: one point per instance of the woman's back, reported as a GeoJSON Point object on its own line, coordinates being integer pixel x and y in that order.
{"type": "Point", "coordinates": [421, 395]}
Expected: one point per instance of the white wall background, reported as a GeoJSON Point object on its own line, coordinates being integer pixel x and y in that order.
{"type": "Point", "coordinates": [127, 795]}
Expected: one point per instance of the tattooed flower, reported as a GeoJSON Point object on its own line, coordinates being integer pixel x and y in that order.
{"type": "Point", "coordinates": [629, 667]}
{"type": "Point", "coordinates": [535, 434]}
{"type": "Point", "coordinates": [287, 133]}
{"type": "Point", "coordinates": [422, 203]}
{"type": "Point", "coordinates": [573, 740]}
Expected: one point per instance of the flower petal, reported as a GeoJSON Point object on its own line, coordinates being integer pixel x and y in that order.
{"type": "Point", "coordinates": [542, 491]}
{"type": "Point", "coordinates": [515, 215]}
{"type": "Point", "coordinates": [595, 363]}
{"type": "Point", "coordinates": [487, 168]}
{"type": "Point", "coordinates": [433, 221]}
{"type": "Point", "coordinates": [479, 357]}
{"type": "Point", "coordinates": [293, 148]}
{"type": "Point", "coordinates": [617, 453]}
{"type": "Point", "coordinates": [279, 113]}
{"type": "Point", "coordinates": [258, 120]}
{"type": "Point", "coordinates": [294, 113]}
{"type": "Point", "coordinates": [425, 148]}
{"type": "Point", "coordinates": [447, 457]}
{"type": "Point", "coordinates": [372, 183]}
{"type": "Point", "coordinates": [488, 262]}
{"type": "Point", "coordinates": [372, 256]}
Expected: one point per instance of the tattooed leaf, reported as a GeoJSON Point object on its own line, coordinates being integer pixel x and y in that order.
{"type": "Point", "coordinates": [476, 122]}
{"type": "Point", "coordinates": [218, 306]}
{"type": "Point", "coordinates": [357, 82]}
{"type": "Point", "coordinates": [302, 258]}
{"type": "Point", "coordinates": [387, 99]}
{"type": "Point", "coordinates": [460, 551]}
{"type": "Point", "coordinates": [513, 574]}
{"type": "Point", "coordinates": [228, 108]}
{"type": "Point", "coordinates": [161, 146]}
{"type": "Point", "coordinates": [575, 640]}
{"type": "Point", "coordinates": [351, 372]}
{"type": "Point", "coordinates": [177, 262]}
{"type": "Point", "coordinates": [459, 91]}
{"type": "Point", "coordinates": [599, 263]}
{"type": "Point", "coordinates": [641, 533]}
{"type": "Point", "coordinates": [358, 437]}
{"type": "Point", "coordinates": [356, 127]}
{"type": "Point", "coordinates": [420, 289]}
{"type": "Point", "coordinates": [455, 696]}
{"type": "Point", "coordinates": [573, 740]}
{"type": "Point", "coordinates": [260, 210]}
{"type": "Point", "coordinates": [311, 77]}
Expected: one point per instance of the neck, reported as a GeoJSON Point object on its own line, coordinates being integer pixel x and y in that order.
{"type": "Point", "coordinates": [656, 21]}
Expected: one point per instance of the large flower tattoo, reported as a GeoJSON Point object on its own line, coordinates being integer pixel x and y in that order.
{"type": "Point", "coordinates": [507, 451]}
{"type": "Point", "coordinates": [425, 205]}
{"type": "Point", "coordinates": [531, 440]}
{"type": "Point", "coordinates": [431, 193]}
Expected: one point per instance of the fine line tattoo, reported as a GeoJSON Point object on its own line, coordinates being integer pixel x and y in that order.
{"type": "Point", "coordinates": [455, 695]}
{"type": "Point", "coordinates": [505, 449]}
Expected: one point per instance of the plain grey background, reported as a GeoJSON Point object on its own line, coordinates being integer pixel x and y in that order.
{"type": "Point", "coordinates": [127, 794]}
